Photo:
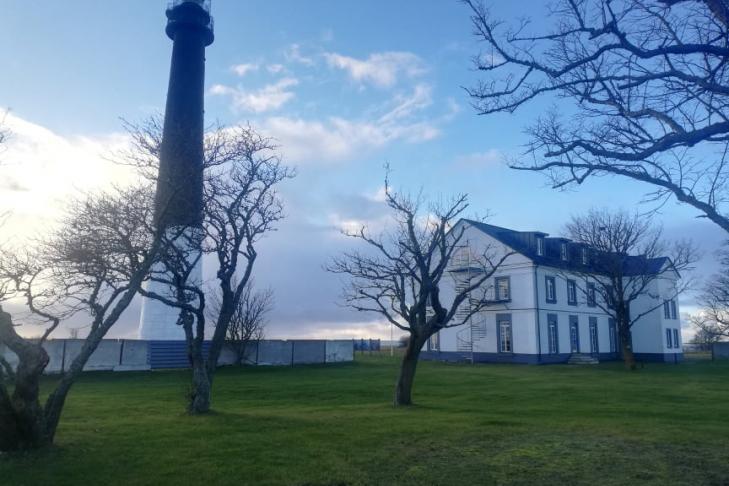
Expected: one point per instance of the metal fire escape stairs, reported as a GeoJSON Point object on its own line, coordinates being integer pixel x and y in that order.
{"type": "Point", "coordinates": [462, 270]}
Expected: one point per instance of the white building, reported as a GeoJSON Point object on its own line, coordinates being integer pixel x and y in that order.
{"type": "Point", "coordinates": [543, 309]}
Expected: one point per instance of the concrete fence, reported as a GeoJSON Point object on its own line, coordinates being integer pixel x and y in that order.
{"type": "Point", "coordinates": [720, 350]}
{"type": "Point", "coordinates": [136, 355]}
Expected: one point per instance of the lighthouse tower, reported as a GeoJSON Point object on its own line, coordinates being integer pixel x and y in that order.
{"type": "Point", "coordinates": [178, 201]}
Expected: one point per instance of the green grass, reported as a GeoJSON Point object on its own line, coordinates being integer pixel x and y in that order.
{"type": "Point", "coordinates": [485, 424]}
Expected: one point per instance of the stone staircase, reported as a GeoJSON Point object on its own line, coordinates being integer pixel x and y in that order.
{"type": "Point", "coordinates": [582, 359]}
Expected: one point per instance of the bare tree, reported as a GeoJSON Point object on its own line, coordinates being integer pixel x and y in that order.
{"type": "Point", "coordinates": [712, 320]}
{"type": "Point", "coordinates": [400, 276]}
{"type": "Point", "coordinates": [642, 87]}
{"type": "Point", "coordinates": [248, 321]}
{"type": "Point", "coordinates": [706, 332]}
{"type": "Point", "coordinates": [242, 173]}
{"type": "Point", "coordinates": [627, 260]}
{"type": "Point", "coordinates": [92, 266]}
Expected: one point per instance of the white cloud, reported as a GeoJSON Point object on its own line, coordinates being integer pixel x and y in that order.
{"type": "Point", "coordinates": [293, 54]}
{"type": "Point", "coordinates": [41, 170]}
{"type": "Point", "coordinates": [337, 139]}
{"type": "Point", "coordinates": [243, 69]}
{"type": "Point", "coordinates": [374, 329]}
{"type": "Point", "coordinates": [275, 68]}
{"type": "Point", "coordinates": [380, 69]}
{"type": "Point", "coordinates": [270, 97]}
{"type": "Point", "coordinates": [480, 160]}
{"type": "Point", "coordinates": [406, 106]}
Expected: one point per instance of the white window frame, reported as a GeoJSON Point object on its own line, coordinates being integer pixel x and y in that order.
{"type": "Point", "coordinates": [540, 245]}
{"type": "Point", "coordinates": [497, 290]}
{"type": "Point", "coordinates": [591, 294]}
{"type": "Point", "coordinates": [553, 334]}
{"type": "Point", "coordinates": [553, 281]}
{"type": "Point", "coordinates": [571, 292]}
{"type": "Point", "coordinates": [506, 338]}
{"type": "Point", "coordinates": [563, 252]}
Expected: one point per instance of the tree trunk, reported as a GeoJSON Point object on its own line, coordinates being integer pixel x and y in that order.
{"type": "Point", "coordinates": [200, 394]}
{"type": "Point", "coordinates": [199, 398]}
{"type": "Point", "coordinates": [22, 421]}
{"type": "Point", "coordinates": [404, 386]}
{"type": "Point", "coordinates": [627, 349]}
{"type": "Point", "coordinates": [219, 335]}
{"type": "Point", "coordinates": [57, 399]}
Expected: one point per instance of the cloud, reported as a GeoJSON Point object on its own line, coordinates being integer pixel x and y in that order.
{"type": "Point", "coordinates": [293, 54]}
{"type": "Point", "coordinates": [9, 183]}
{"type": "Point", "coordinates": [243, 69]}
{"type": "Point", "coordinates": [479, 160]}
{"type": "Point", "coordinates": [337, 139]}
{"type": "Point", "coordinates": [41, 170]}
{"type": "Point", "coordinates": [275, 68]}
{"type": "Point", "coordinates": [54, 168]}
{"type": "Point", "coordinates": [270, 97]}
{"type": "Point", "coordinates": [379, 69]}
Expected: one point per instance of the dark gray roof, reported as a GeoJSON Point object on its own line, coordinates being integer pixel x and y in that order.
{"type": "Point", "coordinates": [525, 242]}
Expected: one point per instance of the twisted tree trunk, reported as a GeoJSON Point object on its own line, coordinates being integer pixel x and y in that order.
{"type": "Point", "coordinates": [22, 420]}
{"type": "Point", "coordinates": [199, 398]}
{"type": "Point", "coordinates": [404, 386]}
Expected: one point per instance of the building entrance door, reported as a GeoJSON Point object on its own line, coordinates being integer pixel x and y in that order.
{"type": "Point", "coordinates": [574, 336]}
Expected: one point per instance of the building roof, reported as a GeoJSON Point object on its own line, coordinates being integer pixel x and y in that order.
{"type": "Point", "coordinates": [525, 242]}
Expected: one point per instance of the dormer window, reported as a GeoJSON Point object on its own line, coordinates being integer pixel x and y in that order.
{"type": "Point", "coordinates": [540, 246]}
{"type": "Point", "coordinates": [585, 256]}
{"type": "Point", "coordinates": [563, 252]}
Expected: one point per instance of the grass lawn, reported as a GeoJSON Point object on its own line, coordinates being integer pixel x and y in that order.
{"type": "Point", "coordinates": [317, 425]}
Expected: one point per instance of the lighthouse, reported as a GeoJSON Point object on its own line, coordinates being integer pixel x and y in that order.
{"type": "Point", "coordinates": [179, 196]}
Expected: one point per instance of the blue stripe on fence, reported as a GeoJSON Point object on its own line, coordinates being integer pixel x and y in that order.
{"type": "Point", "coordinates": [171, 354]}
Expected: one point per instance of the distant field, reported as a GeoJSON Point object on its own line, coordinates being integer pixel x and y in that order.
{"type": "Point", "coordinates": [484, 424]}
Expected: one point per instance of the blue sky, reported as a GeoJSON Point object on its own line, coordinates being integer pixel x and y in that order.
{"type": "Point", "coordinates": [344, 86]}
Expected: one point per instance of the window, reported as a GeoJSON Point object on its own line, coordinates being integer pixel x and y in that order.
{"type": "Point", "coordinates": [613, 336]}
{"type": "Point", "coordinates": [591, 295]}
{"type": "Point", "coordinates": [551, 290]}
{"type": "Point", "coordinates": [434, 342]}
{"type": "Point", "coordinates": [503, 288]}
{"type": "Point", "coordinates": [609, 296]}
{"type": "Point", "coordinates": [571, 292]}
{"type": "Point", "coordinates": [668, 338]}
{"type": "Point", "coordinates": [540, 246]}
{"type": "Point", "coordinates": [594, 344]}
{"type": "Point", "coordinates": [563, 251]}
{"type": "Point", "coordinates": [574, 334]}
{"type": "Point", "coordinates": [666, 310]}
{"type": "Point", "coordinates": [552, 333]}
{"type": "Point", "coordinates": [676, 344]}
{"type": "Point", "coordinates": [585, 256]}
{"type": "Point", "coordinates": [673, 308]}
{"type": "Point", "coordinates": [504, 328]}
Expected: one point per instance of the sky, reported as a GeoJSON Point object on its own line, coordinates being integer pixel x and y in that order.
{"type": "Point", "coordinates": [343, 87]}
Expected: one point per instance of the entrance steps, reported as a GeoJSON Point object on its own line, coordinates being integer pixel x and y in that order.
{"type": "Point", "coordinates": [582, 359]}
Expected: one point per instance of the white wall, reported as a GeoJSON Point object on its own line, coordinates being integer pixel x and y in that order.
{"type": "Point", "coordinates": [528, 292]}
